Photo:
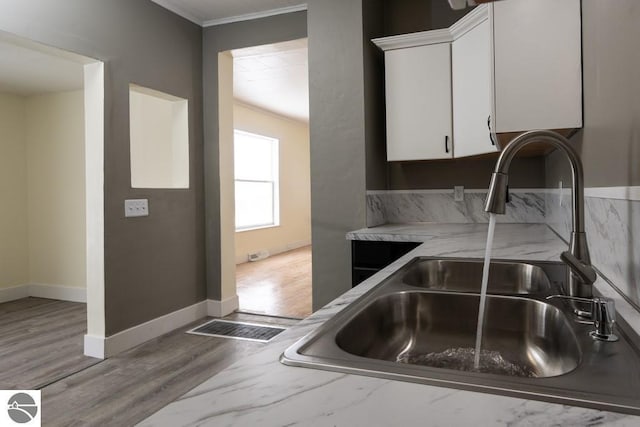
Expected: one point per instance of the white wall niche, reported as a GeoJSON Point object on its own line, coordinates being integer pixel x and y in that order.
{"type": "Point", "coordinates": [159, 139]}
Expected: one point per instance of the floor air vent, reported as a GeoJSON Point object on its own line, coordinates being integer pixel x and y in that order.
{"type": "Point", "coordinates": [237, 330]}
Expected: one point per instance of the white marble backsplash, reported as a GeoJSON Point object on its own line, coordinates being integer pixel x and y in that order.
{"type": "Point", "coordinates": [401, 207]}
{"type": "Point", "coordinates": [612, 225]}
{"type": "Point", "coordinates": [613, 234]}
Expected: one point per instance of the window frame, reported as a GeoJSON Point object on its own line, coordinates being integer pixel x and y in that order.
{"type": "Point", "coordinates": [275, 182]}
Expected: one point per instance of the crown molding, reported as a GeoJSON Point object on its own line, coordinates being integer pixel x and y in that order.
{"type": "Point", "coordinates": [468, 22]}
{"type": "Point", "coordinates": [179, 11]}
{"type": "Point", "coordinates": [446, 35]}
{"type": "Point", "coordinates": [413, 39]}
{"type": "Point", "coordinates": [257, 15]}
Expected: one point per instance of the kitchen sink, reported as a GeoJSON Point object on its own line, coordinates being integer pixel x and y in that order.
{"type": "Point", "coordinates": [466, 276]}
{"type": "Point", "coordinates": [533, 336]}
{"type": "Point", "coordinates": [419, 325]}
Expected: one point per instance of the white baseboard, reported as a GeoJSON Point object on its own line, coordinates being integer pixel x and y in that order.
{"type": "Point", "coordinates": [13, 293]}
{"type": "Point", "coordinates": [64, 293]}
{"type": "Point", "coordinates": [137, 335]}
{"type": "Point", "coordinates": [241, 259]}
{"type": "Point", "coordinates": [40, 290]}
{"type": "Point", "coordinates": [94, 346]}
{"type": "Point", "coordinates": [222, 308]}
{"type": "Point", "coordinates": [102, 348]}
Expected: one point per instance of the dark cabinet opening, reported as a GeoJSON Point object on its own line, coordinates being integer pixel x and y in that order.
{"type": "Point", "coordinates": [369, 257]}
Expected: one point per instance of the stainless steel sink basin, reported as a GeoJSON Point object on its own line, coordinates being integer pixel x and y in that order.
{"type": "Point", "coordinates": [534, 336]}
{"type": "Point", "coordinates": [419, 325]}
{"type": "Point", "coordinates": [466, 276]}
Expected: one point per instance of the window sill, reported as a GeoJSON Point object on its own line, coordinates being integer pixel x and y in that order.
{"type": "Point", "coordinates": [260, 227]}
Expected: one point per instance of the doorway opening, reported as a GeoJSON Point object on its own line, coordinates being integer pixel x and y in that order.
{"type": "Point", "coordinates": [51, 218]}
{"type": "Point", "coordinates": [271, 179]}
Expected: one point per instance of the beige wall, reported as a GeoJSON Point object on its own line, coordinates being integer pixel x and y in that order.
{"type": "Point", "coordinates": [13, 192]}
{"type": "Point", "coordinates": [56, 194]}
{"type": "Point", "coordinates": [42, 214]}
{"type": "Point", "coordinates": [55, 189]}
{"type": "Point", "coordinates": [295, 204]}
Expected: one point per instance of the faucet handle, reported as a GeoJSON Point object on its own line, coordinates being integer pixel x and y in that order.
{"type": "Point", "coordinates": [585, 272]}
{"type": "Point", "coordinates": [603, 314]}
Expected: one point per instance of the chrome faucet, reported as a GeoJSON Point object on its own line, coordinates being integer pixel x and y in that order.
{"type": "Point", "coordinates": [582, 274]}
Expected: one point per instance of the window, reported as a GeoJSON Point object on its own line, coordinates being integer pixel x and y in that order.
{"type": "Point", "coordinates": [256, 181]}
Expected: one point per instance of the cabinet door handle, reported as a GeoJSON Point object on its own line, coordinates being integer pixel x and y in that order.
{"type": "Point", "coordinates": [446, 143]}
{"type": "Point", "coordinates": [493, 142]}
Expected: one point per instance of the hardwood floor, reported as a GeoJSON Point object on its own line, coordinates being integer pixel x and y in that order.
{"type": "Point", "coordinates": [41, 341]}
{"type": "Point", "coordinates": [277, 286]}
{"type": "Point", "coordinates": [124, 390]}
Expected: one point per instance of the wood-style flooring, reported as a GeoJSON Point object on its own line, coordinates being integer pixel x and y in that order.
{"type": "Point", "coordinates": [41, 348]}
{"type": "Point", "coordinates": [125, 389]}
{"type": "Point", "coordinates": [277, 286]}
{"type": "Point", "coordinates": [41, 341]}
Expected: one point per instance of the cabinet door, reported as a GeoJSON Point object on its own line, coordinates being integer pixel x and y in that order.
{"type": "Point", "coordinates": [471, 79]}
{"type": "Point", "coordinates": [418, 102]}
{"type": "Point", "coordinates": [538, 74]}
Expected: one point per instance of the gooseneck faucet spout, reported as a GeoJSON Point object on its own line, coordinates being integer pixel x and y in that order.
{"type": "Point", "coordinates": [577, 258]}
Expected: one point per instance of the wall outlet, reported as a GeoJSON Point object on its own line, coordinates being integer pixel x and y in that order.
{"type": "Point", "coordinates": [136, 207]}
{"type": "Point", "coordinates": [257, 256]}
{"type": "Point", "coordinates": [458, 193]}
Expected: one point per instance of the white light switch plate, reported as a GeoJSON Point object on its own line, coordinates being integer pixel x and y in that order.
{"type": "Point", "coordinates": [136, 207]}
{"type": "Point", "coordinates": [458, 193]}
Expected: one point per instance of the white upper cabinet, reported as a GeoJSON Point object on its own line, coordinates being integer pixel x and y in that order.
{"type": "Point", "coordinates": [537, 64]}
{"type": "Point", "coordinates": [471, 77]}
{"type": "Point", "coordinates": [418, 101]}
{"type": "Point", "coordinates": [516, 65]}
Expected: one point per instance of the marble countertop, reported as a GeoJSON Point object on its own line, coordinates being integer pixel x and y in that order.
{"type": "Point", "coordinates": [260, 391]}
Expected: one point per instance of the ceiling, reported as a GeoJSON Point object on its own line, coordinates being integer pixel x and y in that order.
{"type": "Point", "coordinates": [25, 70]}
{"type": "Point", "coordinates": [215, 12]}
{"type": "Point", "coordinates": [274, 77]}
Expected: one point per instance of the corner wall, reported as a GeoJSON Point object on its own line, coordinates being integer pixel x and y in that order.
{"type": "Point", "coordinates": [153, 265]}
{"type": "Point", "coordinates": [337, 132]}
{"type": "Point", "coordinates": [609, 145]}
{"type": "Point", "coordinates": [56, 189]}
{"type": "Point", "coordinates": [294, 230]}
{"type": "Point", "coordinates": [14, 267]}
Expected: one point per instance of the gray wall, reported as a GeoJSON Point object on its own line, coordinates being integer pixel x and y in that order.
{"type": "Point", "coordinates": [216, 39]}
{"type": "Point", "coordinates": [470, 173]}
{"type": "Point", "coordinates": [337, 130]}
{"type": "Point", "coordinates": [373, 21]}
{"type": "Point", "coordinates": [153, 265]}
{"type": "Point", "coordinates": [442, 16]}
{"type": "Point", "coordinates": [610, 141]}
{"type": "Point", "coordinates": [407, 16]}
